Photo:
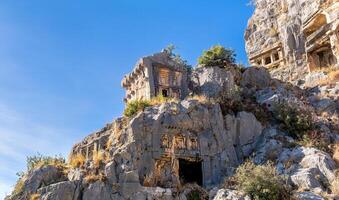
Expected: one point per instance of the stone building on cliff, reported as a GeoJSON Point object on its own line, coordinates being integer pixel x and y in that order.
{"type": "Point", "coordinates": [155, 75]}
{"type": "Point", "coordinates": [293, 37]}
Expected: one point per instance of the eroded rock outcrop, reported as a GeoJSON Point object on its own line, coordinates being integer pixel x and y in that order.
{"type": "Point", "coordinates": [293, 37]}
{"type": "Point", "coordinates": [160, 151]}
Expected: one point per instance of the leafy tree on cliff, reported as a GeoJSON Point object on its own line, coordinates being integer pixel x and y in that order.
{"type": "Point", "coordinates": [217, 56]}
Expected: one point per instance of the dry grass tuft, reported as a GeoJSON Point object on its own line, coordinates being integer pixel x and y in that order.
{"type": "Point", "coordinates": [332, 76]}
{"type": "Point", "coordinates": [160, 100]}
{"type": "Point", "coordinates": [336, 153]}
{"type": "Point", "coordinates": [201, 98]}
{"type": "Point", "coordinates": [91, 178]}
{"type": "Point", "coordinates": [109, 143]}
{"type": "Point", "coordinates": [99, 157]}
{"type": "Point", "coordinates": [335, 184]}
{"type": "Point", "coordinates": [77, 160]}
{"type": "Point", "coordinates": [35, 196]}
{"type": "Point", "coordinates": [19, 186]}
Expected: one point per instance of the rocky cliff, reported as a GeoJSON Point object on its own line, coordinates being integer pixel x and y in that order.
{"type": "Point", "coordinates": [145, 156]}
{"type": "Point", "coordinates": [197, 146]}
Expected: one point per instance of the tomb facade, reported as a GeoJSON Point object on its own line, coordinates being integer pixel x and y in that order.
{"type": "Point", "coordinates": [156, 75]}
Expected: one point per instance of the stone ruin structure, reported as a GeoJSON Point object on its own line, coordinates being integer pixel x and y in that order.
{"type": "Point", "coordinates": [293, 37]}
{"type": "Point", "coordinates": [156, 75]}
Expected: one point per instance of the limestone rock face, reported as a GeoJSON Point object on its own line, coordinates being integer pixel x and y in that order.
{"type": "Point", "coordinates": [307, 196]}
{"type": "Point", "coordinates": [286, 36]}
{"type": "Point", "coordinates": [244, 130]}
{"type": "Point", "coordinates": [256, 77]}
{"type": "Point", "coordinates": [43, 177]}
{"type": "Point", "coordinates": [226, 194]}
{"type": "Point", "coordinates": [97, 190]}
{"type": "Point", "coordinates": [308, 167]}
{"type": "Point", "coordinates": [214, 82]}
{"type": "Point", "coordinates": [67, 190]}
{"type": "Point", "coordinates": [190, 130]}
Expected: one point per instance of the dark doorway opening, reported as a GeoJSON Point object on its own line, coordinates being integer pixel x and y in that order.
{"type": "Point", "coordinates": [164, 93]}
{"type": "Point", "coordinates": [190, 171]}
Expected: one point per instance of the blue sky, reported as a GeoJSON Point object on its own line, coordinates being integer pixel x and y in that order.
{"type": "Point", "coordinates": [61, 63]}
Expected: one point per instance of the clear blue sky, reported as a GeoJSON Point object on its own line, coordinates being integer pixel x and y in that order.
{"type": "Point", "coordinates": [61, 63]}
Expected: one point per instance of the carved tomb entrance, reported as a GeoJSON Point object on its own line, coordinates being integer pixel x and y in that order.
{"type": "Point", "coordinates": [190, 171]}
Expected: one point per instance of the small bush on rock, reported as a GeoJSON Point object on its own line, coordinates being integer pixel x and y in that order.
{"type": "Point", "coordinates": [261, 182]}
{"type": "Point", "coordinates": [136, 106]}
{"type": "Point", "coordinates": [295, 121]}
{"type": "Point", "coordinates": [194, 195]}
{"type": "Point", "coordinates": [217, 56]}
{"type": "Point", "coordinates": [133, 107]}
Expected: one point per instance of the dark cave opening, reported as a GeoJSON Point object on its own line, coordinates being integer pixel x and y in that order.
{"type": "Point", "coordinates": [190, 171]}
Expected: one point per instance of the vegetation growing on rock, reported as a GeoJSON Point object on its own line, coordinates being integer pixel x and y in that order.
{"type": "Point", "coordinates": [260, 182]}
{"type": "Point", "coordinates": [76, 160]}
{"type": "Point", "coordinates": [136, 106]}
{"type": "Point", "coordinates": [217, 56]}
{"type": "Point", "coordinates": [294, 120]}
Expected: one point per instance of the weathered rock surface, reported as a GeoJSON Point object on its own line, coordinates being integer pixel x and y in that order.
{"type": "Point", "coordinates": [285, 37]}
{"type": "Point", "coordinates": [214, 82]}
{"type": "Point", "coordinates": [308, 168]}
{"type": "Point", "coordinates": [43, 177]}
{"type": "Point", "coordinates": [225, 194]}
{"type": "Point", "coordinates": [67, 190]}
{"type": "Point", "coordinates": [307, 196]}
{"type": "Point", "coordinates": [244, 130]}
{"type": "Point", "coordinates": [97, 190]}
{"type": "Point", "coordinates": [255, 77]}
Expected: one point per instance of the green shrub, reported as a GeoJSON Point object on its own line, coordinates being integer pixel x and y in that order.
{"type": "Point", "coordinates": [135, 106]}
{"type": "Point", "coordinates": [217, 56]}
{"type": "Point", "coordinates": [261, 182]}
{"type": "Point", "coordinates": [194, 195]}
{"type": "Point", "coordinates": [295, 121]}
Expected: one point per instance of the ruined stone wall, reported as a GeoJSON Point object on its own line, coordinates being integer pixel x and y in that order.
{"type": "Point", "coordinates": [277, 38]}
